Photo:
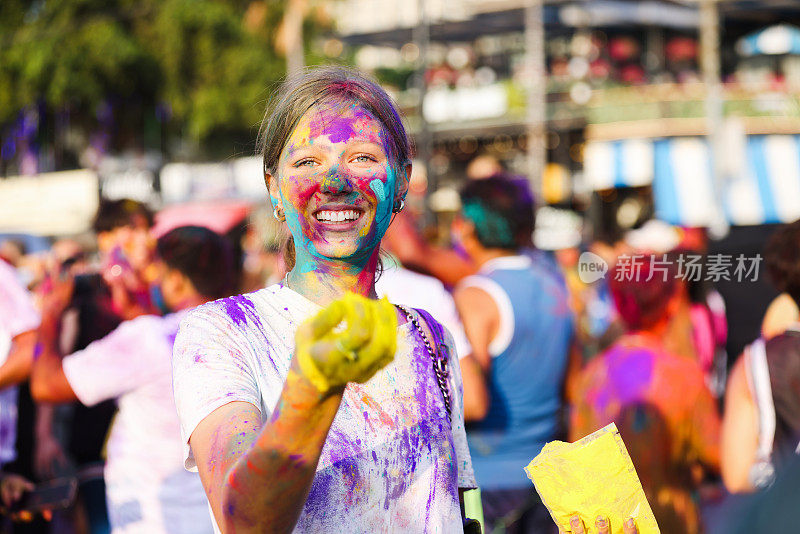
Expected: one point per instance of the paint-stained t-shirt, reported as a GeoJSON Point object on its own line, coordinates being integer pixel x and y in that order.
{"type": "Point", "coordinates": [17, 316]}
{"type": "Point", "coordinates": [391, 462]}
{"type": "Point", "coordinates": [147, 488]}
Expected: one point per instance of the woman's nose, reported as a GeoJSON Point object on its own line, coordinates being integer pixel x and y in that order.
{"type": "Point", "coordinates": [335, 182]}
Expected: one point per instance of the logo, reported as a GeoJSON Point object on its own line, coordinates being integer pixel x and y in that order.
{"type": "Point", "coordinates": [591, 267]}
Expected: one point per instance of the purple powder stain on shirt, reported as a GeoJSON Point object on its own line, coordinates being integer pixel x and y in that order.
{"type": "Point", "coordinates": [319, 493]}
{"type": "Point", "coordinates": [238, 308]}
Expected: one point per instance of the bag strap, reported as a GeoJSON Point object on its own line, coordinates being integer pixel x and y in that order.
{"type": "Point", "coordinates": [762, 472]}
{"type": "Point", "coordinates": [762, 392]}
{"type": "Point", "coordinates": [438, 352]}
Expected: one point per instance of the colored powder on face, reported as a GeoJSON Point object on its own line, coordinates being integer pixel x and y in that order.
{"type": "Point", "coordinates": [384, 194]}
{"type": "Point", "coordinates": [341, 129]}
{"type": "Point", "coordinates": [377, 186]}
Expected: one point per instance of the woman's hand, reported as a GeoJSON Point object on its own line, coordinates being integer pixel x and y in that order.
{"type": "Point", "coordinates": [601, 524]}
{"type": "Point", "coordinates": [349, 341]}
{"type": "Point", "coordinates": [12, 488]}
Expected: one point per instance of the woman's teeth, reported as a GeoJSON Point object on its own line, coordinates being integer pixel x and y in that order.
{"type": "Point", "coordinates": [337, 216]}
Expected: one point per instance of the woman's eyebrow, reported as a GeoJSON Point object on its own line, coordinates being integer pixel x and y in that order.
{"type": "Point", "coordinates": [291, 148]}
{"type": "Point", "coordinates": [362, 142]}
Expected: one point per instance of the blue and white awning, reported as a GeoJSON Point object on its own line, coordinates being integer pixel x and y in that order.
{"type": "Point", "coordinates": [761, 184]}
{"type": "Point", "coordinates": [774, 40]}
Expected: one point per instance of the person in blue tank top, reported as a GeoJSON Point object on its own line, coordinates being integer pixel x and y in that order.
{"type": "Point", "coordinates": [518, 322]}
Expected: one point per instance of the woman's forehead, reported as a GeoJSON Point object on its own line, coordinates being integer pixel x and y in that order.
{"type": "Point", "coordinates": [340, 121]}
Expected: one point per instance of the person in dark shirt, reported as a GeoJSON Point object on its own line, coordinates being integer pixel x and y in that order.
{"type": "Point", "coordinates": [761, 426]}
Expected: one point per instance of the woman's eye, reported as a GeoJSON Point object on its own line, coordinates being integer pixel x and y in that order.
{"type": "Point", "coordinates": [304, 163]}
{"type": "Point", "coordinates": [364, 158]}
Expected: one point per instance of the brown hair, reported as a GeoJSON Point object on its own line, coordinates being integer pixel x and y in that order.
{"type": "Point", "coordinates": [782, 259]}
{"type": "Point", "coordinates": [322, 84]}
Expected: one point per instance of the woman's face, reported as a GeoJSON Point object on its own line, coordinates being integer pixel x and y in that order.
{"type": "Point", "coordinates": [336, 182]}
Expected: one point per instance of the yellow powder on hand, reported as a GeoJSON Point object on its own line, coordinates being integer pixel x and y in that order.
{"type": "Point", "coordinates": [591, 477]}
{"type": "Point", "coordinates": [334, 328]}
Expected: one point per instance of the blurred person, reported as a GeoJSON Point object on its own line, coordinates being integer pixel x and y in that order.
{"type": "Point", "coordinates": [761, 425]}
{"type": "Point", "coordinates": [262, 263]}
{"type": "Point", "coordinates": [660, 402]}
{"type": "Point", "coordinates": [558, 233]}
{"type": "Point", "coordinates": [517, 319]}
{"type": "Point", "coordinates": [102, 297]}
{"type": "Point", "coordinates": [126, 247]}
{"type": "Point", "coordinates": [405, 242]}
{"type": "Point", "coordinates": [707, 314]}
{"type": "Point", "coordinates": [12, 251]}
{"type": "Point", "coordinates": [148, 491]}
{"type": "Point", "coordinates": [403, 286]}
{"type": "Point", "coordinates": [698, 327]}
{"type": "Point", "coordinates": [19, 320]}
{"type": "Point", "coordinates": [782, 313]}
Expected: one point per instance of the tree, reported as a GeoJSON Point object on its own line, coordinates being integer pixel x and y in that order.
{"type": "Point", "coordinates": [201, 67]}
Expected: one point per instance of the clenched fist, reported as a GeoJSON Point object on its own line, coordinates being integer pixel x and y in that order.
{"type": "Point", "coordinates": [349, 341]}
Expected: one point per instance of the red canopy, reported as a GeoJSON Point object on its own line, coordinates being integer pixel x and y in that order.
{"type": "Point", "coordinates": [219, 216]}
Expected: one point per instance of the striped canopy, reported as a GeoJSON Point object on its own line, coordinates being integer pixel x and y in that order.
{"type": "Point", "coordinates": [774, 40]}
{"type": "Point", "coordinates": [761, 181]}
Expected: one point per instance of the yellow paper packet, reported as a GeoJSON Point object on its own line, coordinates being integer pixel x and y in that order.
{"type": "Point", "coordinates": [593, 477]}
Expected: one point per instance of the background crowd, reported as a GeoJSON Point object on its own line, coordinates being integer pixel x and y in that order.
{"type": "Point", "coordinates": [628, 254]}
{"type": "Point", "coordinates": [546, 353]}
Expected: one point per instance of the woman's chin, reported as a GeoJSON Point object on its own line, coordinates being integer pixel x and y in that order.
{"type": "Point", "coordinates": [349, 252]}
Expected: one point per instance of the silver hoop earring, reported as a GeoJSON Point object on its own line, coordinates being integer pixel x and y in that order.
{"type": "Point", "coordinates": [398, 206]}
{"type": "Point", "coordinates": [278, 214]}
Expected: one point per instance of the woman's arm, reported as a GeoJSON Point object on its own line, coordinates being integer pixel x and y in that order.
{"type": "Point", "coordinates": [257, 480]}
{"type": "Point", "coordinates": [739, 432]}
{"type": "Point", "coordinates": [17, 367]}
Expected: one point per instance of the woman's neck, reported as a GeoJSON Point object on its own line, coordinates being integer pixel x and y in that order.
{"type": "Point", "coordinates": [322, 281]}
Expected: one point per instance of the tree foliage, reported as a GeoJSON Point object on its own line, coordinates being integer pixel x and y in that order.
{"type": "Point", "coordinates": [206, 64]}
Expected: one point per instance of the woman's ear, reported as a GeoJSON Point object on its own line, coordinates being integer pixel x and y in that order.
{"type": "Point", "coordinates": [273, 190]}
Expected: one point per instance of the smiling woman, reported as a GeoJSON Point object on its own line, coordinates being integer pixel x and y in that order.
{"type": "Point", "coordinates": [304, 405]}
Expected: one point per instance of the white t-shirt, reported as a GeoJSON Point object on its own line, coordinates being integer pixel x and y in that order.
{"type": "Point", "coordinates": [17, 316]}
{"type": "Point", "coordinates": [391, 463]}
{"type": "Point", "coordinates": [406, 287]}
{"type": "Point", "coordinates": [147, 488]}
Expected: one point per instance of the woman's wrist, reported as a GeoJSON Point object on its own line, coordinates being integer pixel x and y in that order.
{"type": "Point", "coordinates": [301, 392]}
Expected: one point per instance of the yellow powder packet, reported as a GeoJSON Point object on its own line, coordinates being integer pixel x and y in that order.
{"type": "Point", "coordinates": [593, 476]}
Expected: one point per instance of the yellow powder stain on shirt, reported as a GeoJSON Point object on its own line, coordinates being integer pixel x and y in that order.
{"type": "Point", "coordinates": [593, 477]}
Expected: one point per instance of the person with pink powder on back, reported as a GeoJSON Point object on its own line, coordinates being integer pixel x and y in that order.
{"type": "Point", "coordinates": [659, 401]}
